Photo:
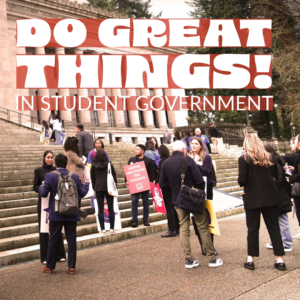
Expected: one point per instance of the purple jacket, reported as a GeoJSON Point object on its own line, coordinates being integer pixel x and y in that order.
{"type": "Point", "coordinates": [50, 185]}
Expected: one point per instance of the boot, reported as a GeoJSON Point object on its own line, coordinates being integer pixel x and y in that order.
{"type": "Point", "coordinates": [146, 223]}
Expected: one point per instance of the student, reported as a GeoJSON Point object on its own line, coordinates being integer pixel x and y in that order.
{"type": "Point", "coordinates": [57, 128]}
{"type": "Point", "coordinates": [98, 144]}
{"type": "Point", "coordinates": [46, 130]}
{"type": "Point", "coordinates": [261, 197]}
{"type": "Point", "coordinates": [155, 143]}
{"type": "Point", "coordinates": [187, 140]}
{"type": "Point", "coordinates": [214, 135]}
{"type": "Point", "coordinates": [150, 152]}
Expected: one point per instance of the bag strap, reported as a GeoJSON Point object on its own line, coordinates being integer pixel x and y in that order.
{"type": "Point", "coordinates": [183, 169]}
{"type": "Point", "coordinates": [108, 168]}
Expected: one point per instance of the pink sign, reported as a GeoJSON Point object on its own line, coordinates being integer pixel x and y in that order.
{"type": "Point", "coordinates": [157, 198]}
{"type": "Point", "coordinates": [137, 177]}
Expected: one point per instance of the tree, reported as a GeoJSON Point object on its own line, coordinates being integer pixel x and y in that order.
{"type": "Point", "coordinates": [129, 8]}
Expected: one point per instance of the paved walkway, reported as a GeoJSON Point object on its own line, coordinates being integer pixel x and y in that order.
{"type": "Point", "coordinates": [153, 268]}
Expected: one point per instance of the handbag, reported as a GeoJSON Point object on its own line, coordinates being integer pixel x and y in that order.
{"type": "Point", "coordinates": [190, 199]}
{"type": "Point", "coordinates": [111, 185]}
{"type": "Point", "coordinates": [295, 190]}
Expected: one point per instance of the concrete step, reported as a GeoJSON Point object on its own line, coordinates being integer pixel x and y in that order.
{"type": "Point", "coordinates": [231, 189]}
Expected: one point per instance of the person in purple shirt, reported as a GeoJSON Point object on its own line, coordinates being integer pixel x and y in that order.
{"type": "Point", "coordinates": [56, 220]}
{"type": "Point", "coordinates": [98, 144]}
{"type": "Point", "coordinates": [198, 134]}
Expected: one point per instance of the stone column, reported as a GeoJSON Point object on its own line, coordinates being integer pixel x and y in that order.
{"type": "Point", "coordinates": [44, 115]}
{"type": "Point", "coordinates": [178, 117]}
{"type": "Point", "coordinates": [85, 116]}
{"type": "Point", "coordinates": [64, 114]}
{"type": "Point", "coordinates": [160, 115]}
{"type": "Point", "coordinates": [102, 114]}
{"type": "Point", "coordinates": [148, 114]}
{"type": "Point", "coordinates": [134, 118]}
{"type": "Point", "coordinates": [118, 114]}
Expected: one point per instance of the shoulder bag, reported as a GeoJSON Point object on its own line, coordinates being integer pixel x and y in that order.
{"type": "Point", "coordinates": [111, 185]}
{"type": "Point", "coordinates": [190, 199]}
{"type": "Point", "coordinates": [295, 190]}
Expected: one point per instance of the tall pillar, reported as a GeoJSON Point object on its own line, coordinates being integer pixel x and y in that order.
{"type": "Point", "coordinates": [85, 116]}
{"type": "Point", "coordinates": [64, 114]}
{"type": "Point", "coordinates": [44, 115]}
{"type": "Point", "coordinates": [177, 117]}
{"type": "Point", "coordinates": [102, 114]}
{"type": "Point", "coordinates": [148, 114]}
{"type": "Point", "coordinates": [118, 114]}
{"type": "Point", "coordinates": [161, 114]}
{"type": "Point", "coordinates": [134, 117]}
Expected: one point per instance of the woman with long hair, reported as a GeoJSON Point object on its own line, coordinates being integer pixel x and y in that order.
{"type": "Point", "coordinates": [98, 144]}
{"type": "Point", "coordinates": [51, 120]}
{"type": "Point", "coordinates": [187, 140]}
{"type": "Point", "coordinates": [39, 177]}
{"type": "Point", "coordinates": [99, 182]}
{"type": "Point", "coordinates": [285, 205]}
{"type": "Point", "coordinates": [155, 143]}
{"type": "Point", "coordinates": [150, 153]}
{"type": "Point", "coordinates": [173, 221]}
{"type": "Point", "coordinates": [261, 197]}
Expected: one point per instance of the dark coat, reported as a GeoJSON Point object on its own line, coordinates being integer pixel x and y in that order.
{"type": "Point", "coordinates": [171, 174]}
{"type": "Point", "coordinates": [86, 142]}
{"type": "Point", "coordinates": [206, 169]}
{"type": "Point", "coordinates": [296, 173]}
{"type": "Point", "coordinates": [150, 167]}
{"type": "Point", "coordinates": [291, 158]}
{"type": "Point", "coordinates": [50, 185]}
{"type": "Point", "coordinates": [39, 177]}
{"type": "Point", "coordinates": [214, 132]}
{"type": "Point", "coordinates": [259, 186]}
{"type": "Point", "coordinates": [167, 188]}
{"type": "Point", "coordinates": [99, 176]}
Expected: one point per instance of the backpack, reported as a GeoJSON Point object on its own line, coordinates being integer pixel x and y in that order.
{"type": "Point", "coordinates": [67, 203]}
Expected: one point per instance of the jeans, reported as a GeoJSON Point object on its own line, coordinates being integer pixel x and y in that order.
{"type": "Point", "coordinates": [202, 226]}
{"type": "Point", "coordinates": [110, 204]}
{"type": "Point", "coordinates": [285, 230]}
{"type": "Point", "coordinates": [57, 137]}
{"type": "Point", "coordinates": [135, 202]}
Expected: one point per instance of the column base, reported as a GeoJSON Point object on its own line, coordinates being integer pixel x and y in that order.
{"type": "Point", "coordinates": [164, 127]}
{"type": "Point", "coordinates": [120, 125]}
{"type": "Point", "coordinates": [104, 124]}
{"type": "Point", "coordinates": [150, 126]}
{"type": "Point", "coordinates": [136, 126]}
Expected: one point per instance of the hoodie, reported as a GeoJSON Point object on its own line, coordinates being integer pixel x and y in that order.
{"type": "Point", "coordinates": [99, 176]}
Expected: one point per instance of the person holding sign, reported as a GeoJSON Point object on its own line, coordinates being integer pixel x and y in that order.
{"type": "Point", "coordinates": [99, 171]}
{"type": "Point", "coordinates": [39, 177]}
{"type": "Point", "coordinates": [150, 167]}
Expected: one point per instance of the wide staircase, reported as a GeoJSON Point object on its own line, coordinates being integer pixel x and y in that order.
{"type": "Point", "coordinates": [21, 153]}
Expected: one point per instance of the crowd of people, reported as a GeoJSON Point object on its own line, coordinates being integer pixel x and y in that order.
{"type": "Point", "coordinates": [265, 175]}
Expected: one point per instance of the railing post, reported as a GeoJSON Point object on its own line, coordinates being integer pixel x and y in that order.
{"type": "Point", "coordinates": [32, 122]}
{"type": "Point", "coordinates": [20, 118]}
{"type": "Point", "coordinates": [110, 139]}
{"type": "Point", "coordinates": [8, 115]}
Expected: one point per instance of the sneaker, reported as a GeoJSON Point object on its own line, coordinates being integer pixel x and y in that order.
{"type": "Point", "coordinates": [62, 260]}
{"type": "Point", "coordinates": [297, 236]}
{"type": "Point", "coordinates": [44, 262]}
{"type": "Point", "coordinates": [112, 231]}
{"type": "Point", "coordinates": [191, 263]}
{"type": "Point", "coordinates": [287, 249]}
{"type": "Point", "coordinates": [103, 231]}
{"type": "Point", "coordinates": [215, 263]}
{"type": "Point", "coordinates": [269, 246]}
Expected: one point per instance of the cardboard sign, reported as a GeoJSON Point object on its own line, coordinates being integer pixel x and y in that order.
{"type": "Point", "coordinates": [137, 177]}
{"type": "Point", "coordinates": [213, 226]}
{"type": "Point", "coordinates": [158, 198]}
{"type": "Point", "coordinates": [86, 175]}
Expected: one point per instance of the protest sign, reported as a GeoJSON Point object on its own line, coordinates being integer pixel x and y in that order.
{"type": "Point", "coordinates": [213, 226]}
{"type": "Point", "coordinates": [137, 177]}
{"type": "Point", "coordinates": [158, 198]}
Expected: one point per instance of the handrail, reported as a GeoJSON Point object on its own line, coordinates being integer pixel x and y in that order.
{"type": "Point", "coordinates": [231, 134]}
{"type": "Point", "coordinates": [226, 137]}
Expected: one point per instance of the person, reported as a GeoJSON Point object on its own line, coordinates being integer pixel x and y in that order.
{"type": "Point", "coordinates": [291, 158]}
{"type": "Point", "coordinates": [187, 140]}
{"type": "Point", "coordinates": [296, 178]}
{"type": "Point", "coordinates": [150, 166]}
{"type": "Point", "coordinates": [167, 137]}
{"type": "Point", "coordinates": [285, 205]}
{"type": "Point", "coordinates": [57, 221]}
{"type": "Point", "coordinates": [149, 152]}
{"type": "Point", "coordinates": [57, 128]}
{"type": "Point", "coordinates": [39, 177]}
{"type": "Point", "coordinates": [214, 135]}
{"type": "Point", "coordinates": [86, 143]}
{"type": "Point", "coordinates": [171, 175]}
{"type": "Point", "coordinates": [51, 120]}
{"type": "Point", "coordinates": [46, 130]}
{"type": "Point", "coordinates": [99, 182]}
{"type": "Point", "coordinates": [172, 216]}
{"type": "Point", "coordinates": [260, 196]}
{"type": "Point", "coordinates": [154, 141]}
{"type": "Point", "coordinates": [198, 134]}
{"type": "Point", "coordinates": [98, 144]}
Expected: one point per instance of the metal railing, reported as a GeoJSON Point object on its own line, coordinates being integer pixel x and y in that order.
{"type": "Point", "coordinates": [226, 137]}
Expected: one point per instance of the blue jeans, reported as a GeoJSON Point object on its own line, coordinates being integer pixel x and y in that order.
{"type": "Point", "coordinates": [135, 202]}
{"type": "Point", "coordinates": [285, 230]}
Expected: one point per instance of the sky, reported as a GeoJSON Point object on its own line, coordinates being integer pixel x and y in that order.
{"type": "Point", "coordinates": [171, 8]}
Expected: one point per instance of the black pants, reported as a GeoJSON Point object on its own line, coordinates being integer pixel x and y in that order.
{"type": "Point", "coordinates": [44, 238]}
{"type": "Point", "coordinates": [297, 206]}
{"type": "Point", "coordinates": [173, 221]}
{"type": "Point", "coordinates": [110, 204]}
{"type": "Point", "coordinates": [209, 192]}
{"type": "Point", "coordinates": [53, 133]}
{"type": "Point", "coordinates": [270, 215]}
{"type": "Point", "coordinates": [55, 234]}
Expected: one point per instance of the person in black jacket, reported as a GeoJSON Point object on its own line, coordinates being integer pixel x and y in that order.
{"type": "Point", "coordinates": [86, 142]}
{"type": "Point", "coordinates": [39, 177]}
{"type": "Point", "coordinates": [214, 135]}
{"type": "Point", "coordinates": [260, 196]}
{"type": "Point", "coordinates": [173, 221]}
{"type": "Point", "coordinates": [150, 166]}
{"type": "Point", "coordinates": [171, 175]}
{"type": "Point", "coordinates": [99, 171]}
{"type": "Point", "coordinates": [296, 178]}
{"type": "Point", "coordinates": [285, 205]}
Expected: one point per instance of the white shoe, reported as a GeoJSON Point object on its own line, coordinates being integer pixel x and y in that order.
{"type": "Point", "coordinates": [269, 246]}
{"type": "Point", "coordinates": [44, 262]}
{"type": "Point", "coordinates": [287, 249]}
{"type": "Point", "coordinates": [297, 236]}
{"type": "Point", "coordinates": [103, 231]}
{"type": "Point", "coordinates": [215, 263]}
{"type": "Point", "coordinates": [62, 260]}
{"type": "Point", "coordinates": [112, 231]}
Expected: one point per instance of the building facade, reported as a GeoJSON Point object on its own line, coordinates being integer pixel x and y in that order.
{"type": "Point", "coordinates": [126, 126]}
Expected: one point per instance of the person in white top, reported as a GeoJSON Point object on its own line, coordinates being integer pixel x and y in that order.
{"type": "Point", "coordinates": [57, 127]}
